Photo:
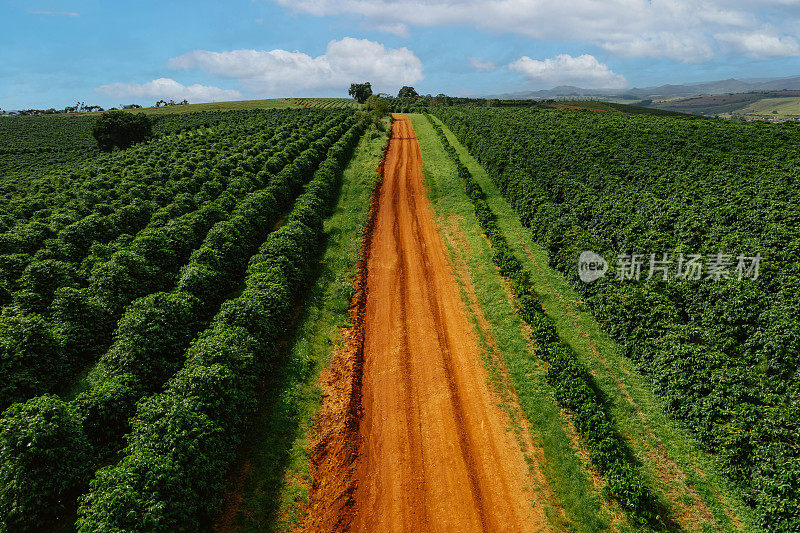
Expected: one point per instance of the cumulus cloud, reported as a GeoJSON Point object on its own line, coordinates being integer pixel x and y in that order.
{"type": "Point", "coordinates": [169, 89]}
{"type": "Point", "coordinates": [280, 72]}
{"type": "Point", "coordinates": [478, 63]}
{"type": "Point", "coordinates": [761, 45]}
{"type": "Point", "coordinates": [687, 48]}
{"type": "Point", "coordinates": [585, 71]}
{"type": "Point", "coordinates": [684, 30]}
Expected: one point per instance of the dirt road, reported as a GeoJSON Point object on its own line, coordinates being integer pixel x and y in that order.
{"type": "Point", "coordinates": [430, 450]}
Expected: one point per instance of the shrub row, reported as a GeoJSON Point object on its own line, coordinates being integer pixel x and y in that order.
{"type": "Point", "coordinates": [34, 435]}
{"type": "Point", "coordinates": [183, 441]}
{"type": "Point", "coordinates": [106, 184]}
{"type": "Point", "coordinates": [62, 260]}
{"type": "Point", "coordinates": [84, 319]}
{"type": "Point", "coordinates": [56, 190]}
{"type": "Point", "coordinates": [722, 355]}
{"type": "Point", "coordinates": [148, 347]}
{"type": "Point", "coordinates": [574, 387]}
{"type": "Point", "coordinates": [155, 330]}
{"type": "Point", "coordinates": [66, 259]}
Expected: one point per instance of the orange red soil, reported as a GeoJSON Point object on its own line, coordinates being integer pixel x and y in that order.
{"type": "Point", "coordinates": [411, 438]}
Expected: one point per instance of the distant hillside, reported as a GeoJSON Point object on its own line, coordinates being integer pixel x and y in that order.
{"type": "Point", "coordinates": [787, 107]}
{"type": "Point", "coordinates": [721, 103]}
{"type": "Point", "coordinates": [721, 97]}
{"type": "Point", "coordinates": [662, 91]}
{"type": "Point", "coordinates": [596, 105]}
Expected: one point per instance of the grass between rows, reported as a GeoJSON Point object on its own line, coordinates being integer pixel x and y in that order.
{"type": "Point", "coordinates": [272, 478]}
{"type": "Point", "coordinates": [672, 459]}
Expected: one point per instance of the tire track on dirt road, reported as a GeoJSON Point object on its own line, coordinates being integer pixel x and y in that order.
{"type": "Point", "coordinates": [431, 450]}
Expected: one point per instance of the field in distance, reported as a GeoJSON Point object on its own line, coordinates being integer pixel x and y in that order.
{"type": "Point", "coordinates": [774, 106]}
{"type": "Point", "coordinates": [786, 103]}
{"type": "Point", "coordinates": [238, 105]}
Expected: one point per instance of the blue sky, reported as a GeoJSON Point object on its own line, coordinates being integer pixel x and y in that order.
{"type": "Point", "coordinates": [54, 53]}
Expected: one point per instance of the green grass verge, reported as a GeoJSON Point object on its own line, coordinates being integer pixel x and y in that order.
{"type": "Point", "coordinates": [273, 477]}
{"type": "Point", "coordinates": [577, 505]}
{"type": "Point", "coordinates": [657, 441]}
{"type": "Point", "coordinates": [573, 386]}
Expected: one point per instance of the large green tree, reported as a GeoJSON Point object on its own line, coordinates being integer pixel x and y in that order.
{"type": "Point", "coordinates": [407, 92]}
{"type": "Point", "coordinates": [120, 129]}
{"type": "Point", "coordinates": [378, 107]}
{"type": "Point", "coordinates": [360, 91]}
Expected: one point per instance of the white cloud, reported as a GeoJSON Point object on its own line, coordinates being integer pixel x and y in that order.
{"type": "Point", "coordinates": [584, 71]}
{"type": "Point", "coordinates": [761, 45]}
{"type": "Point", "coordinates": [686, 48]}
{"type": "Point", "coordinates": [395, 28]}
{"type": "Point", "coordinates": [169, 89]}
{"type": "Point", "coordinates": [54, 13]}
{"type": "Point", "coordinates": [683, 30]}
{"type": "Point", "coordinates": [478, 63]}
{"type": "Point", "coordinates": [280, 72]}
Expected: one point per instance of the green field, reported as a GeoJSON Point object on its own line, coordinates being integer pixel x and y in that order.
{"type": "Point", "coordinates": [270, 103]}
{"type": "Point", "coordinates": [760, 104]}
{"type": "Point", "coordinates": [577, 504]}
{"type": "Point", "coordinates": [405, 266]}
{"type": "Point", "coordinates": [639, 416]}
{"type": "Point", "coordinates": [773, 106]}
{"type": "Point", "coordinates": [325, 103]}
{"type": "Point", "coordinates": [621, 184]}
{"type": "Point", "coordinates": [167, 309]}
{"type": "Point", "coordinates": [122, 272]}
{"type": "Point", "coordinates": [271, 489]}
